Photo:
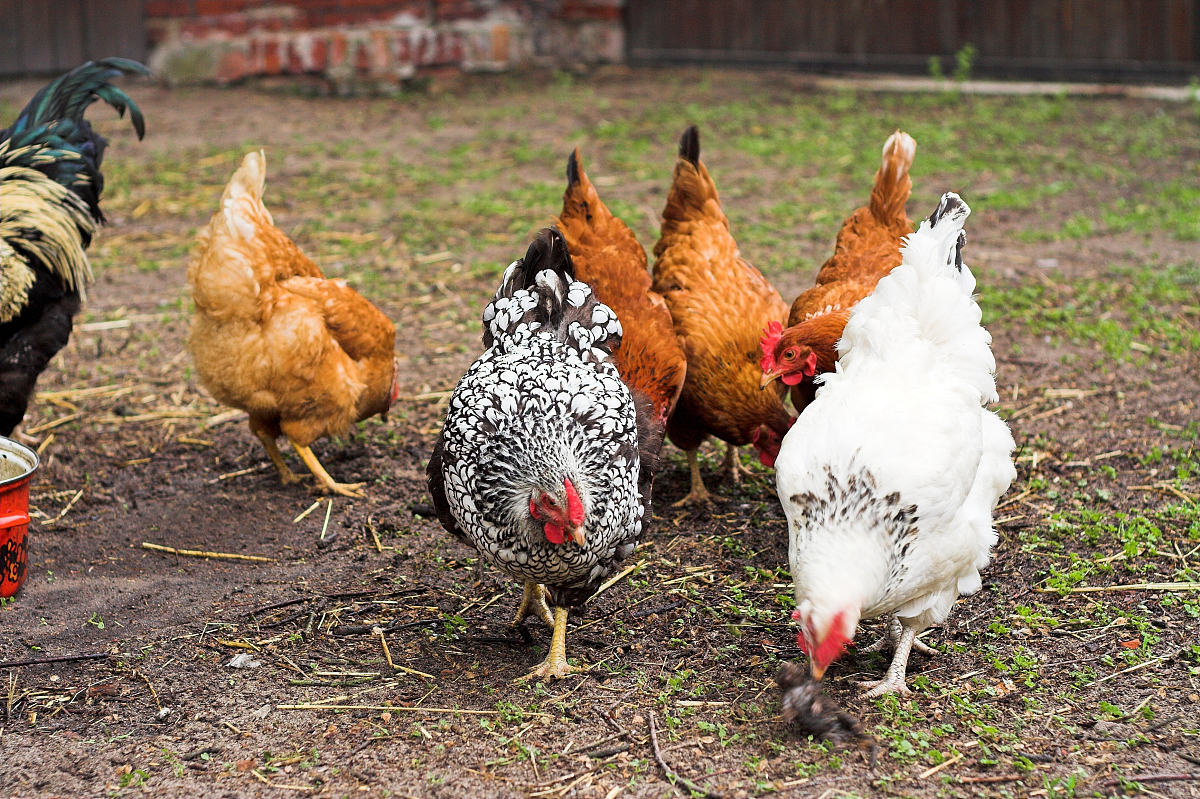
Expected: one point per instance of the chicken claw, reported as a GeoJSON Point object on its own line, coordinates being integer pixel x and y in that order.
{"type": "Point", "coordinates": [555, 665]}
{"type": "Point", "coordinates": [534, 601]}
{"type": "Point", "coordinates": [698, 493]}
{"type": "Point", "coordinates": [894, 682]}
{"type": "Point", "coordinates": [325, 483]}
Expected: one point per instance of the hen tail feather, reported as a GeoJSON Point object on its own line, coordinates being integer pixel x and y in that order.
{"type": "Point", "coordinates": [540, 292]}
{"type": "Point", "coordinates": [892, 182]}
{"type": "Point", "coordinates": [689, 145]}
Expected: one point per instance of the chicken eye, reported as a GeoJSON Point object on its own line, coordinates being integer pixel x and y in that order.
{"type": "Point", "coordinates": [789, 355]}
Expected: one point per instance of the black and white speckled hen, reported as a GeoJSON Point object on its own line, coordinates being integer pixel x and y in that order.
{"type": "Point", "coordinates": [538, 465]}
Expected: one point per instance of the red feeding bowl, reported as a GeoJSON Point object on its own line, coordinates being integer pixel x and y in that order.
{"type": "Point", "coordinates": [17, 465]}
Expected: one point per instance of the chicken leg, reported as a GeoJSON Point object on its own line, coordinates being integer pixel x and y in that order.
{"type": "Point", "coordinates": [285, 473]}
{"type": "Point", "coordinates": [555, 665]}
{"type": "Point", "coordinates": [895, 629]}
{"type": "Point", "coordinates": [325, 483]}
{"type": "Point", "coordinates": [732, 469]}
{"type": "Point", "coordinates": [698, 493]}
{"type": "Point", "coordinates": [894, 682]}
{"type": "Point", "coordinates": [534, 601]}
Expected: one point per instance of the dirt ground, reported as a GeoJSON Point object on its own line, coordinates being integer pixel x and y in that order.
{"type": "Point", "coordinates": [1039, 688]}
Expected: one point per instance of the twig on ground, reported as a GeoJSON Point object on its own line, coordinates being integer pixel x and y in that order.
{"type": "Point", "coordinates": [402, 709]}
{"type": "Point", "coordinates": [196, 553]}
{"type": "Point", "coordinates": [1095, 589]}
{"type": "Point", "coordinates": [305, 513]}
{"type": "Point", "coordinates": [150, 685]}
{"type": "Point", "coordinates": [12, 664]}
{"type": "Point", "coordinates": [238, 473]}
{"type": "Point", "coordinates": [985, 780]}
{"type": "Point", "coordinates": [1157, 778]}
{"type": "Point", "coordinates": [328, 513]}
{"type": "Point", "coordinates": [671, 775]}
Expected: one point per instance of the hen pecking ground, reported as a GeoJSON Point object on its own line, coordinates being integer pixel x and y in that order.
{"type": "Point", "coordinates": [1076, 671]}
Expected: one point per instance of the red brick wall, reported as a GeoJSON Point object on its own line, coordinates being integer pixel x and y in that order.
{"type": "Point", "coordinates": [374, 40]}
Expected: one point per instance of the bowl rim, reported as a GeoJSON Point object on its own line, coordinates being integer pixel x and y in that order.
{"type": "Point", "coordinates": [18, 448]}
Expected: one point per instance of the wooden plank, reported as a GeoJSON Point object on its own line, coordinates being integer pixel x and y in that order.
{"type": "Point", "coordinates": [67, 33]}
{"type": "Point", "coordinates": [114, 28]}
{"type": "Point", "coordinates": [11, 52]}
{"type": "Point", "coordinates": [37, 46]}
{"type": "Point", "coordinates": [1092, 39]}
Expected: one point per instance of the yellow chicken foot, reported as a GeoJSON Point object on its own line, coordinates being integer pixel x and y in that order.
{"type": "Point", "coordinates": [732, 468]}
{"type": "Point", "coordinates": [555, 665]}
{"type": "Point", "coordinates": [534, 601]}
{"type": "Point", "coordinates": [325, 483]}
{"type": "Point", "coordinates": [698, 493]}
{"type": "Point", "coordinates": [285, 473]}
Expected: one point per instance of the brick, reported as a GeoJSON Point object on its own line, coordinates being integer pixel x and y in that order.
{"type": "Point", "coordinates": [318, 55]}
{"type": "Point", "coordinates": [271, 63]}
{"type": "Point", "coordinates": [205, 8]}
{"type": "Point", "coordinates": [167, 8]}
{"type": "Point", "coordinates": [337, 50]}
{"type": "Point", "coordinates": [234, 65]}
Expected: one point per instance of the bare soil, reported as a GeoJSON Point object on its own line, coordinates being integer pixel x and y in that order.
{"type": "Point", "coordinates": [690, 640]}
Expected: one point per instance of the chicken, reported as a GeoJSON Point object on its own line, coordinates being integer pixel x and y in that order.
{"type": "Point", "coordinates": [50, 187]}
{"type": "Point", "coordinates": [305, 357]}
{"type": "Point", "coordinates": [719, 305]}
{"type": "Point", "coordinates": [868, 248]}
{"type": "Point", "coordinates": [537, 466]}
{"type": "Point", "coordinates": [889, 478]}
{"type": "Point", "coordinates": [609, 258]}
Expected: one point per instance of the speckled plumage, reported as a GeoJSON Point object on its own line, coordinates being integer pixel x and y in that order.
{"type": "Point", "coordinates": [544, 403]}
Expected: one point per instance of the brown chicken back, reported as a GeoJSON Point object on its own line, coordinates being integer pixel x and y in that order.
{"type": "Point", "coordinates": [867, 249]}
{"type": "Point", "coordinates": [609, 258]}
{"type": "Point", "coordinates": [720, 305]}
{"type": "Point", "coordinates": [305, 357]}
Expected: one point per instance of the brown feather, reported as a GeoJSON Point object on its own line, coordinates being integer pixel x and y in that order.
{"type": "Point", "coordinates": [720, 305]}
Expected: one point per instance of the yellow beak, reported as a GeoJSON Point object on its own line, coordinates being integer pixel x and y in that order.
{"type": "Point", "coordinates": [817, 671]}
{"type": "Point", "coordinates": [768, 378]}
{"type": "Point", "coordinates": [576, 534]}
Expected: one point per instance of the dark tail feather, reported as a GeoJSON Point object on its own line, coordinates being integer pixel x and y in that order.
{"type": "Point", "coordinates": [689, 145]}
{"type": "Point", "coordinates": [547, 251]}
{"type": "Point", "coordinates": [546, 275]}
{"type": "Point", "coordinates": [573, 168]}
{"type": "Point", "coordinates": [51, 135]}
{"type": "Point", "coordinates": [69, 95]}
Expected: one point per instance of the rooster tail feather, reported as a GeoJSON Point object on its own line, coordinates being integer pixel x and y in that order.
{"type": "Point", "coordinates": [892, 182]}
{"type": "Point", "coordinates": [51, 135]}
{"type": "Point", "coordinates": [540, 292]}
{"type": "Point", "coordinates": [69, 95]}
{"type": "Point", "coordinates": [689, 145]}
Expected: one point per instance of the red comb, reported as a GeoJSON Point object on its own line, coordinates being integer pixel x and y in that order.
{"type": "Point", "coordinates": [574, 504]}
{"type": "Point", "coordinates": [770, 338]}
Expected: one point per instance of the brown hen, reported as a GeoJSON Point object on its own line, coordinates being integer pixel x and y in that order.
{"type": "Point", "coordinates": [719, 304]}
{"type": "Point", "coordinates": [609, 258]}
{"type": "Point", "coordinates": [867, 249]}
{"type": "Point", "coordinates": [305, 357]}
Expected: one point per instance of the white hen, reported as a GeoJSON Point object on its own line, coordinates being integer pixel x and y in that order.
{"type": "Point", "coordinates": [890, 476]}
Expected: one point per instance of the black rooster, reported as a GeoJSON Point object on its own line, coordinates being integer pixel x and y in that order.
{"type": "Point", "coordinates": [50, 185]}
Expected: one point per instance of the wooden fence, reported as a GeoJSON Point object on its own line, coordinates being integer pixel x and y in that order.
{"type": "Point", "coordinates": [1046, 39]}
{"type": "Point", "coordinates": [51, 36]}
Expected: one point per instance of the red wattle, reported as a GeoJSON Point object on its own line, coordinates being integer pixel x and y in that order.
{"type": "Point", "coordinates": [555, 534]}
